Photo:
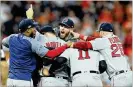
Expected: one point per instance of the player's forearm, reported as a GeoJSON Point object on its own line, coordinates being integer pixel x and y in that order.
{"type": "Point", "coordinates": [82, 45]}
{"type": "Point", "coordinates": [86, 38]}
{"type": "Point", "coordinates": [82, 37]}
{"type": "Point", "coordinates": [56, 52]}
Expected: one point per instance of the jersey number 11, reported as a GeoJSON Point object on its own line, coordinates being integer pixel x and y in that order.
{"type": "Point", "coordinates": [81, 55]}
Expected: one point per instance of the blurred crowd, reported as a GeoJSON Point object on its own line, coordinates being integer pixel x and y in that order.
{"type": "Point", "coordinates": [87, 15]}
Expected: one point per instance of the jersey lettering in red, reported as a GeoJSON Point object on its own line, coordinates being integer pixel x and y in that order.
{"type": "Point", "coordinates": [116, 47]}
{"type": "Point", "coordinates": [114, 40]}
{"type": "Point", "coordinates": [53, 44]}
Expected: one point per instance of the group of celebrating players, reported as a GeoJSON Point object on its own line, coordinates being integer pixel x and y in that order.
{"type": "Point", "coordinates": [61, 57]}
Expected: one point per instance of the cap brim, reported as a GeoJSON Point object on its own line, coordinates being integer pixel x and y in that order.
{"type": "Point", "coordinates": [64, 24]}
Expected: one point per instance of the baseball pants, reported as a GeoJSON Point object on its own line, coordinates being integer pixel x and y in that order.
{"type": "Point", "coordinates": [87, 80]}
{"type": "Point", "coordinates": [19, 83]}
{"type": "Point", "coordinates": [122, 80]}
{"type": "Point", "coordinates": [53, 81]}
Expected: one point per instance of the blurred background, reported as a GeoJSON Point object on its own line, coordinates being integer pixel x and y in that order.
{"type": "Point", "coordinates": [87, 15]}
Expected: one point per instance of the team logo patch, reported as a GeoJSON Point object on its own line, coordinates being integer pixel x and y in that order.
{"type": "Point", "coordinates": [29, 26]}
{"type": "Point", "coordinates": [65, 20]}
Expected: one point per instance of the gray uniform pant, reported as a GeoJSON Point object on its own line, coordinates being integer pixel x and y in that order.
{"type": "Point", "coordinates": [19, 83]}
{"type": "Point", "coordinates": [87, 80]}
{"type": "Point", "coordinates": [53, 82]}
{"type": "Point", "coordinates": [122, 80]}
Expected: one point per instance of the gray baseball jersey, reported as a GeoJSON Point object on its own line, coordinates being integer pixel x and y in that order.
{"type": "Point", "coordinates": [22, 59]}
{"type": "Point", "coordinates": [111, 49]}
{"type": "Point", "coordinates": [82, 60]}
{"type": "Point", "coordinates": [53, 42]}
{"type": "Point", "coordinates": [49, 42]}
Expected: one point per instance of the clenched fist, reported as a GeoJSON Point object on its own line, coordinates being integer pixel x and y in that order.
{"type": "Point", "coordinates": [29, 12]}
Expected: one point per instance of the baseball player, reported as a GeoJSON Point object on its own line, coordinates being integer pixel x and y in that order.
{"type": "Point", "coordinates": [84, 67]}
{"type": "Point", "coordinates": [65, 28]}
{"type": "Point", "coordinates": [64, 33]}
{"type": "Point", "coordinates": [22, 60]}
{"type": "Point", "coordinates": [56, 77]}
{"type": "Point", "coordinates": [110, 47]}
{"type": "Point", "coordinates": [49, 39]}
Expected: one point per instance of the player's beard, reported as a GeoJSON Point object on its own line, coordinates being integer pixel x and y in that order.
{"type": "Point", "coordinates": [64, 36]}
{"type": "Point", "coordinates": [32, 35]}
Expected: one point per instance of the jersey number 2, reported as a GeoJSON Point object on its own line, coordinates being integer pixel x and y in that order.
{"type": "Point", "coordinates": [81, 55]}
{"type": "Point", "coordinates": [115, 48]}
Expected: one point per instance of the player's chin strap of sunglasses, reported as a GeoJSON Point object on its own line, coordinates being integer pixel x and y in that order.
{"type": "Point", "coordinates": [91, 71]}
{"type": "Point", "coordinates": [119, 72]}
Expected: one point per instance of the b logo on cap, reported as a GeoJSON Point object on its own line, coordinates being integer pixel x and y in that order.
{"type": "Point", "coordinates": [29, 26]}
{"type": "Point", "coordinates": [65, 20]}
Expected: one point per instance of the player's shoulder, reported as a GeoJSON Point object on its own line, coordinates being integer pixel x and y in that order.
{"type": "Point", "coordinates": [13, 35]}
{"type": "Point", "coordinates": [101, 40]}
{"type": "Point", "coordinates": [100, 43]}
{"type": "Point", "coordinates": [30, 39]}
{"type": "Point", "coordinates": [40, 37]}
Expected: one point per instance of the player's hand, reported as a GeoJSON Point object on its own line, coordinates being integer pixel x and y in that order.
{"type": "Point", "coordinates": [76, 35]}
{"type": "Point", "coordinates": [29, 12]}
{"type": "Point", "coordinates": [45, 72]}
{"type": "Point", "coordinates": [69, 44]}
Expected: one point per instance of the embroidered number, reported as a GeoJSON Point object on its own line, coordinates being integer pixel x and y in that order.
{"type": "Point", "coordinates": [81, 55]}
{"type": "Point", "coordinates": [115, 48]}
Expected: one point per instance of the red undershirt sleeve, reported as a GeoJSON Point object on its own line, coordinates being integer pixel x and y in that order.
{"type": "Point", "coordinates": [82, 45]}
{"type": "Point", "coordinates": [89, 38]}
{"type": "Point", "coordinates": [56, 52]}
